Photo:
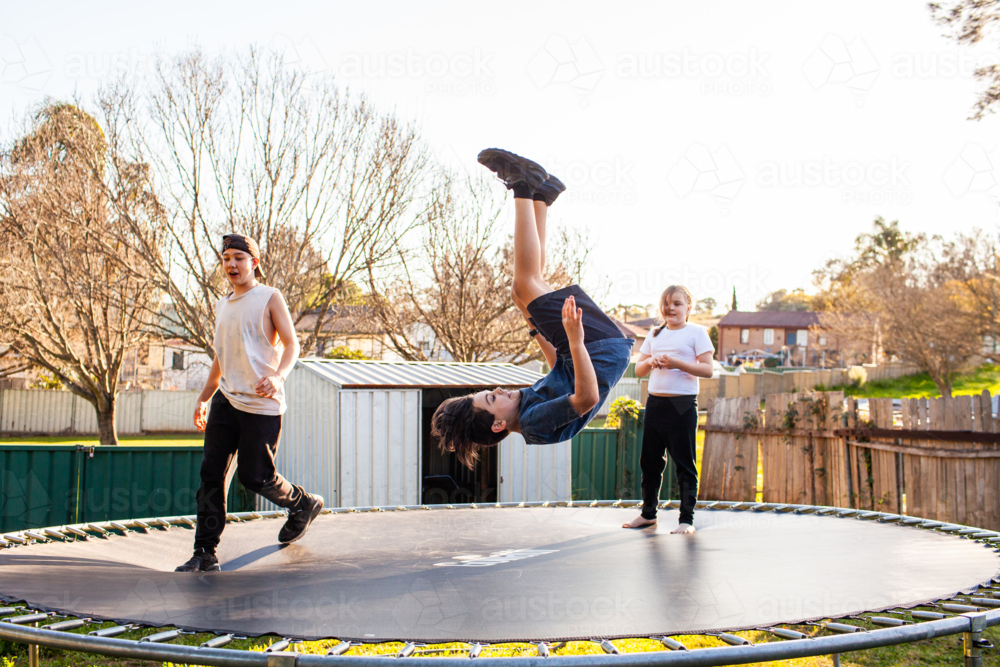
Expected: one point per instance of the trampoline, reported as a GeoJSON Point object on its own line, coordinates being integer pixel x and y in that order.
{"type": "Point", "coordinates": [504, 573]}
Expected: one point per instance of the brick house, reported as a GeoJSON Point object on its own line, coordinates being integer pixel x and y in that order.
{"type": "Point", "coordinates": [777, 332]}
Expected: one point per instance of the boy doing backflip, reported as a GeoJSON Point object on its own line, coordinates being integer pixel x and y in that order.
{"type": "Point", "coordinates": [586, 351]}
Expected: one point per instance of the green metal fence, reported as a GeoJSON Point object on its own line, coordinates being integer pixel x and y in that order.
{"type": "Point", "coordinates": [50, 485]}
{"type": "Point", "coordinates": [606, 463]}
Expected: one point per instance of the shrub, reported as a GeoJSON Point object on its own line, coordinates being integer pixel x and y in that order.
{"type": "Point", "coordinates": [621, 406]}
{"type": "Point", "coordinates": [344, 352]}
{"type": "Point", "coordinates": [857, 375]}
{"type": "Point", "coordinates": [771, 362]}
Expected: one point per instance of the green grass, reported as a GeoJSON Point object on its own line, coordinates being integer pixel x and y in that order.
{"type": "Point", "coordinates": [921, 386]}
{"type": "Point", "coordinates": [159, 440]}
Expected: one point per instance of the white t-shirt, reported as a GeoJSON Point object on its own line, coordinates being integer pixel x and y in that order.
{"type": "Point", "coordinates": [685, 344]}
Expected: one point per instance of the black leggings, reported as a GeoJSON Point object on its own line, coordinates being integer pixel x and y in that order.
{"type": "Point", "coordinates": [255, 438]}
{"type": "Point", "coordinates": [671, 424]}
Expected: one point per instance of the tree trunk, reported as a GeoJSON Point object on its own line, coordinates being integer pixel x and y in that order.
{"type": "Point", "coordinates": [107, 429]}
{"type": "Point", "coordinates": [943, 384]}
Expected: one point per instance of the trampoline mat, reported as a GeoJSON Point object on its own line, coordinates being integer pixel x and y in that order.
{"type": "Point", "coordinates": [502, 574]}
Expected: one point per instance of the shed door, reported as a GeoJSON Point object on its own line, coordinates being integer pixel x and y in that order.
{"type": "Point", "coordinates": [534, 472]}
{"type": "Point", "coordinates": [379, 447]}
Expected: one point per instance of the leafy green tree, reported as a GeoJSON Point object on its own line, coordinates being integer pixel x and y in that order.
{"type": "Point", "coordinates": [345, 352]}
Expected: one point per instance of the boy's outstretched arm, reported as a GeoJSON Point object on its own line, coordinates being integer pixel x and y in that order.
{"type": "Point", "coordinates": [586, 394]}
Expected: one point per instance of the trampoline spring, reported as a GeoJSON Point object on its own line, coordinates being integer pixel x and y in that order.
{"type": "Point", "coordinates": [734, 640]}
{"type": "Point", "coordinates": [968, 531]}
{"type": "Point", "coordinates": [985, 602]}
{"type": "Point", "coordinates": [928, 615]}
{"type": "Point", "coordinates": [758, 507]}
{"type": "Point", "coordinates": [97, 529]}
{"type": "Point", "coordinates": [161, 637]}
{"type": "Point", "coordinates": [608, 647]}
{"type": "Point", "coordinates": [869, 515]}
{"type": "Point", "coordinates": [785, 633]}
{"type": "Point", "coordinates": [229, 517]}
{"type": "Point", "coordinates": [846, 513]}
{"type": "Point", "coordinates": [826, 510]}
{"type": "Point", "coordinates": [949, 529]}
{"type": "Point", "coordinates": [542, 649]}
{"type": "Point", "coordinates": [980, 535]}
{"type": "Point", "coordinates": [910, 521]}
{"type": "Point", "coordinates": [804, 509]}
{"type": "Point", "coordinates": [76, 531]}
{"type": "Point", "coordinates": [55, 534]}
{"type": "Point", "coordinates": [843, 628]}
{"type": "Point", "coordinates": [69, 625]}
{"type": "Point", "coordinates": [279, 645]}
{"type": "Point", "coordinates": [36, 536]}
{"type": "Point", "coordinates": [340, 649]}
{"type": "Point", "coordinates": [216, 642]}
{"type": "Point", "coordinates": [475, 650]}
{"type": "Point", "coordinates": [111, 632]}
{"type": "Point", "coordinates": [958, 608]}
{"type": "Point", "coordinates": [119, 527]}
{"type": "Point", "coordinates": [887, 622]}
{"type": "Point", "coordinates": [890, 518]}
{"type": "Point", "coordinates": [407, 650]}
{"type": "Point", "coordinates": [930, 524]}
{"type": "Point", "coordinates": [10, 611]}
{"type": "Point", "coordinates": [30, 618]}
{"type": "Point", "coordinates": [145, 526]}
{"type": "Point", "coordinates": [671, 643]}
{"type": "Point", "coordinates": [15, 539]}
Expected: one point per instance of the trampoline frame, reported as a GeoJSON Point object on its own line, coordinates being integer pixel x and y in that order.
{"type": "Point", "coordinates": [968, 615]}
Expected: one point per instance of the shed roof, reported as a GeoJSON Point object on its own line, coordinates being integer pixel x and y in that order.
{"type": "Point", "coordinates": [353, 374]}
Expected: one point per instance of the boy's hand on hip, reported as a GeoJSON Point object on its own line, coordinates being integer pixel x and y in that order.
{"type": "Point", "coordinates": [572, 318]}
{"type": "Point", "coordinates": [268, 386]}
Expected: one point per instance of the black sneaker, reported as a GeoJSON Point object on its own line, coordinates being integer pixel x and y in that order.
{"type": "Point", "coordinates": [298, 521]}
{"type": "Point", "coordinates": [549, 190]}
{"type": "Point", "coordinates": [201, 561]}
{"type": "Point", "coordinates": [513, 169]}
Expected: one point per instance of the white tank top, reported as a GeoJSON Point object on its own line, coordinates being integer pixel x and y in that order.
{"type": "Point", "coordinates": [245, 355]}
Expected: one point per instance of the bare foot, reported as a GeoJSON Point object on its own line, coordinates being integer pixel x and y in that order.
{"type": "Point", "coordinates": [682, 529]}
{"type": "Point", "coordinates": [639, 522]}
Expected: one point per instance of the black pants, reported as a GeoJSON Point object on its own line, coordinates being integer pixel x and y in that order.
{"type": "Point", "coordinates": [671, 424]}
{"type": "Point", "coordinates": [255, 438]}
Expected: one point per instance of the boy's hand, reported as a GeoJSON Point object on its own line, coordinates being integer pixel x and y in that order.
{"type": "Point", "coordinates": [572, 318]}
{"type": "Point", "coordinates": [268, 386]}
{"type": "Point", "coordinates": [200, 412]}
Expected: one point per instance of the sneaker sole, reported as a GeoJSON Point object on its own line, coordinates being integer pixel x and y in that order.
{"type": "Point", "coordinates": [551, 189]}
{"type": "Point", "coordinates": [213, 568]}
{"type": "Point", "coordinates": [511, 168]}
{"type": "Point", "coordinates": [305, 529]}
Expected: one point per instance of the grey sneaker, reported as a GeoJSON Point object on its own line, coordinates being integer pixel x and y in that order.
{"type": "Point", "coordinates": [513, 169]}
{"type": "Point", "coordinates": [201, 561]}
{"type": "Point", "coordinates": [298, 522]}
{"type": "Point", "coordinates": [549, 190]}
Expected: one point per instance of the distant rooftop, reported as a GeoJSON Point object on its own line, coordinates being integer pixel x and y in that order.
{"type": "Point", "coordinates": [354, 374]}
{"type": "Point", "coordinates": [770, 318]}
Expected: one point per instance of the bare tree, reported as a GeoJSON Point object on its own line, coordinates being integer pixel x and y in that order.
{"type": "Point", "coordinates": [323, 181]}
{"type": "Point", "coordinates": [12, 363]}
{"type": "Point", "coordinates": [68, 299]}
{"type": "Point", "coordinates": [898, 294]}
{"type": "Point", "coordinates": [969, 22]}
{"type": "Point", "coordinates": [451, 294]}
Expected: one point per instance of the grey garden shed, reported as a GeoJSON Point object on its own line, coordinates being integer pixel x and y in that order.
{"type": "Point", "coordinates": [358, 432]}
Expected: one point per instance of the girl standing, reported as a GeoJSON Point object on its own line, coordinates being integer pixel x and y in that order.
{"type": "Point", "coordinates": [674, 355]}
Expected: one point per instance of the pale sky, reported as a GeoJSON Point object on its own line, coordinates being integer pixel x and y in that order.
{"type": "Point", "coordinates": [708, 143]}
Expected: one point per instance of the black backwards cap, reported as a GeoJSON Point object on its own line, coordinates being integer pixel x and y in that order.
{"type": "Point", "coordinates": [246, 244]}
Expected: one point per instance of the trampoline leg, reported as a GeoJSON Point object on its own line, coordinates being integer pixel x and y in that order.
{"type": "Point", "coordinates": [972, 641]}
{"type": "Point", "coordinates": [33, 652]}
{"type": "Point", "coordinates": [836, 659]}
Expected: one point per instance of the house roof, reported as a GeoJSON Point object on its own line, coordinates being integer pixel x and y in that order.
{"type": "Point", "coordinates": [646, 323]}
{"type": "Point", "coordinates": [630, 329]}
{"type": "Point", "coordinates": [354, 374]}
{"type": "Point", "coordinates": [770, 318]}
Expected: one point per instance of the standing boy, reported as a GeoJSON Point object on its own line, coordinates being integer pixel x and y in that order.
{"type": "Point", "coordinates": [586, 351]}
{"type": "Point", "coordinates": [255, 350]}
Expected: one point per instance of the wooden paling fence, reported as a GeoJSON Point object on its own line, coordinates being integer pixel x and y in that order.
{"type": "Point", "coordinates": [933, 458]}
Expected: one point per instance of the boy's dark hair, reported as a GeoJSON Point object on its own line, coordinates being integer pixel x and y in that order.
{"type": "Point", "coordinates": [462, 428]}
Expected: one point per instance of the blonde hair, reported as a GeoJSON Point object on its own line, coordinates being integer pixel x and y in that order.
{"type": "Point", "coordinates": [665, 299]}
